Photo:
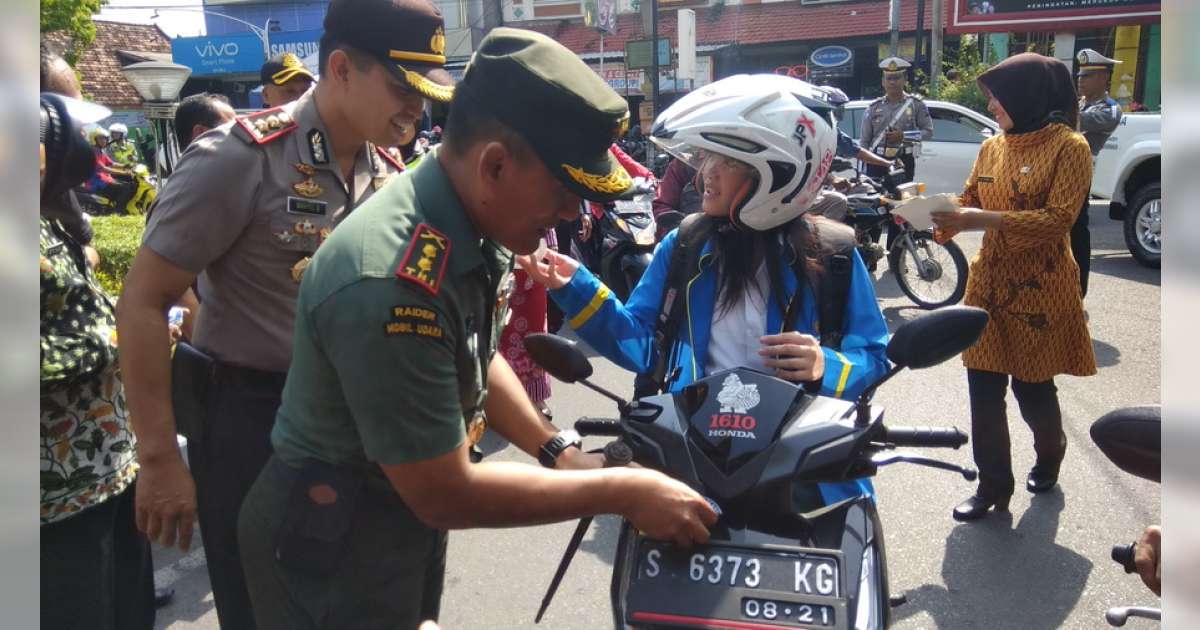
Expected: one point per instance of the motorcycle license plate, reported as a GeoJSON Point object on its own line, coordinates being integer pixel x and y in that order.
{"type": "Point", "coordinates": [746, 587]}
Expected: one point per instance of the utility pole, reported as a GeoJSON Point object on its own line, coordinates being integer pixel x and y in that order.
{"type": "Point", "coordinates": [919, 50]}
{"type": "Point", "coordinates": [935, 44]}
{"type": "Point", "coordinates": [654, 54]}
{"type": "Point", "coordinates": [894, 27]}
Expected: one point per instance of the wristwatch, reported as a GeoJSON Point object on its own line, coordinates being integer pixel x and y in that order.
{"type": "Point", "coordinates": [549, 452]}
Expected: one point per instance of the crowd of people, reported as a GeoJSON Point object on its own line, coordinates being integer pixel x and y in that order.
{"type": "Point", "coordinates": [353, 323]}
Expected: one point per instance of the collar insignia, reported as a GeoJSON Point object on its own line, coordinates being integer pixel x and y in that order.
{"type": "Point", "coordinates": [316, 147]}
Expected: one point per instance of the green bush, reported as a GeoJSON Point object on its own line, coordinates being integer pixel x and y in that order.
{"type": "Point", "coordinates": [117, 240]}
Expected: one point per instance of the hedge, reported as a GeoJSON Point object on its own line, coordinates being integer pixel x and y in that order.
{"type": "Point", "coordinates": [117, 240]}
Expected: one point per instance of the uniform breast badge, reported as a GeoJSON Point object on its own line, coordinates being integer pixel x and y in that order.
{"type": "Point", "coordinates": [308, 188]}
{"type": "Point", "coordinates": [299, 267]}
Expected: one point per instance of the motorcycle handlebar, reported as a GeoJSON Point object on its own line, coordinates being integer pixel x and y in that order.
{"type": "Point", "coordinates": [598, 426]}
{"type": "Point", "coordinates": [925, 436]}
{"type": "Point", "coordinates": [1123, 555]}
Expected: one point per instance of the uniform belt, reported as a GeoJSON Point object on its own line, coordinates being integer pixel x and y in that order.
{"type": "Point", "coordinates": [237, 376]}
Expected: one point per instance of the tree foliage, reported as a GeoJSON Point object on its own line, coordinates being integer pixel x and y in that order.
{"type": "Point", "coordinates": [962, 67]}
{"type": "Point", "coordinates": [74, 17]}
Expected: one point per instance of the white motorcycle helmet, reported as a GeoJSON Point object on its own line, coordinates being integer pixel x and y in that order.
{"type": "Point", "coordinates": [118, 128]}
{"type": "Point", "coordinates": [778, 125]}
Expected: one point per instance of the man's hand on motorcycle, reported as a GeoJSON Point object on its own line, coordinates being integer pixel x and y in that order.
{"type": "Point", "coordinates": [666, 509]}
{"type": "Point", "coordinates": [553, 272]}
{"type": "Point", "coordinates": [1147, 557]}
{"type": "Point", "coordinates": [795, 356]}
{"type": "Point", "coordinates": [165, 501]}
{"type": "Point", "coordinates": [576, 459]}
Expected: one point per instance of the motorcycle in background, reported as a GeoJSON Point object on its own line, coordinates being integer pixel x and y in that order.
{"type": "Point", "coordinates": [145, 192]}
{"type": "Point", "coordinates": [623, 241]}
{"type": "Point", "coordinates": [930, 274]}
{"type": "Point", "coordinates": [755, 446]}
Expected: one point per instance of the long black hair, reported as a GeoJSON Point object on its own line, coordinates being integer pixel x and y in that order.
{"type": "Point", "coordinates": [736, 256]}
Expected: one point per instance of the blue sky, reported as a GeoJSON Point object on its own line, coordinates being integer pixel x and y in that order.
{"type": "Point", "coordinates": [174, 23]}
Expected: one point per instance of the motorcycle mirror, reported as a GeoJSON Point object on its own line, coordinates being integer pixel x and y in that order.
{"type": "Point", "coordinates": [669, 220]}
{"type": "Point", "coordinates": [936, 336]}
{"type": "Point", "coordinates": [561, 357]}
{"type": "Point", "coordinates": [1132, 439]}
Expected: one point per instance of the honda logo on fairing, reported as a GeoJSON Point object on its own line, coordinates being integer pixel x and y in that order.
{"type": "Point", "coordinates": [228, 49]}
{"type": "Point", "coordinates": [736, 399]}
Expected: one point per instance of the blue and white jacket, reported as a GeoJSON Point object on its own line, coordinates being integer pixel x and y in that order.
{"type": "Point", "coordinates": [624, 333]}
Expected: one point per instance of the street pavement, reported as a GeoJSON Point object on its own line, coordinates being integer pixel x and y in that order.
{"type": "Point", "coordinates": [1046, 565]}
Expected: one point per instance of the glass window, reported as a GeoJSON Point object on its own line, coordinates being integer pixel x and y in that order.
{"type": "Point", "coordinates": [851, 122]}
{"type": "Point", "coordinates": [951, 126]}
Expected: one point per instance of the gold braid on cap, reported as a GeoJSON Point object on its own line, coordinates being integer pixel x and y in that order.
{"type": "Point", "coordinates": [617, 180]}
{"type": "Point", "coordinates": [427, 88]}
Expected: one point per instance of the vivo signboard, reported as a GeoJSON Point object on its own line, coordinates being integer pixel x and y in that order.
{"type": "Point", "coordinates": [224, 54]}
{"type": "Point", "coordinates": [831, 56]}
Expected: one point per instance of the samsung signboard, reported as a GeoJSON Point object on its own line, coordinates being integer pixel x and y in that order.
{"type": "Point", "coordinates": [223, 54]}
{"type": "Point", "coordinates": [304, 44]}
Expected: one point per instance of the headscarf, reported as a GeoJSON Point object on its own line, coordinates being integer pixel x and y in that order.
{"type": "Point", "coordinates": [1034, 90]}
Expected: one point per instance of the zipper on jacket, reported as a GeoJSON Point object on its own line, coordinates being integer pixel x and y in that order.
{"type": "Point", "coordinates": [688, 307]}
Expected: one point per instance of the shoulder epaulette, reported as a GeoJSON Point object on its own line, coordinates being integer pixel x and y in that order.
{"type": "Point", "coordinates": [267, 125]}
{"type": "Point", "coordinates": [391, 159]}
{"type": "Point", "coordinates": [426, 258]}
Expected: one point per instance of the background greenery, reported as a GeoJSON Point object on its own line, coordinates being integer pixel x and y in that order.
{"type": "Point", "coordinates": [117, 240]}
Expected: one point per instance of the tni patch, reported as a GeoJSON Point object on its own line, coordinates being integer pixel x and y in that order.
{"type": "Point", "coordinates": [425, 261]}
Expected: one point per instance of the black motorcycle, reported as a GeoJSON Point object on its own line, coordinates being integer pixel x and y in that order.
{"type": "Point", "coordinates": [932, 275]}
{"type": "Point", "coordinates": [755, 446]}
{"type": "Point", "coordinates": [624, 239]}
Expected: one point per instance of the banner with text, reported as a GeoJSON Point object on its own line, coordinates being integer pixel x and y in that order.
{"type": "Point", "coordinates": [630, 83]}
{"type": "Point", "coordinates": [974, 16]}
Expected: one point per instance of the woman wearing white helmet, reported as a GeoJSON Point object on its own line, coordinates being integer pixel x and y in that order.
{"type": "Point", "coordinates": [761, 145]}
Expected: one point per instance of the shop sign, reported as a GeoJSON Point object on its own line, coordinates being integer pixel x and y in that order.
{"type": "Point", "coordinates": [304, 44]}
{"type": "Point", "coordinates": [831, 56]}
{"type": "Point", "coordinates": [221, 54]}
{"type": "Point", "coordinates": [974, 16]}
{"type": "Point", "coordinates": [630, 83]}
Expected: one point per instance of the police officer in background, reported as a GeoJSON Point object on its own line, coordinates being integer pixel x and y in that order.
{"type": "Point", "coordinates": [1099, 116]}
{"type": "Point", "coordinates": [247, 207]}
{"type": "Point", "coordinates": [889, 116]}
{"type": "Point", "coordinates": [395, 374]}
{"type": "Point", "coordinates": [284, 79]}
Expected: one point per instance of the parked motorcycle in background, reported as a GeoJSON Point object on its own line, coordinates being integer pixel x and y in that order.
{"type": "Point", "coordinates": [756, 445]}
{"type": "Point", "coordinates": [931, 274]}
{"type": "Point", "coordinates": [625, 240]}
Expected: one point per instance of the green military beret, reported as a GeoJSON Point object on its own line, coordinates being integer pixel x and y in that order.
{"type": "Point", "coordinates": [549, 96]}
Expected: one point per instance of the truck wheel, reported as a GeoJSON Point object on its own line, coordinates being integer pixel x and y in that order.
{"type": "Point", "coordinates": [1143, 225]}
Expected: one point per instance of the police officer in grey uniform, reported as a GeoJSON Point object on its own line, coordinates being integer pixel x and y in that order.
{"type": "Point", "coordinates": [1099, 116]}
{"type": "Point", "coordinates": [248, 206]}
{"type": "Point", "coordinates": [889, 116]}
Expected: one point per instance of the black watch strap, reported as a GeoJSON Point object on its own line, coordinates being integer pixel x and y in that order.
{"type": "Point", "coordinates": [549, 452]}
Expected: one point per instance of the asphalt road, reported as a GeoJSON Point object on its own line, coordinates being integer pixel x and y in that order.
{"type": "Point", "coordinates": [1046, 565]}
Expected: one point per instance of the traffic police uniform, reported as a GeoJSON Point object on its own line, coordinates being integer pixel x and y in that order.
{"type": "Point", "coordinates": [913, 114]}
{"type": "Point", "coordinates": [398, 319]}
{"type": "Point", "coordinates": [1097, 120]}
{"type": "Point", "coordinates": [249, 204]}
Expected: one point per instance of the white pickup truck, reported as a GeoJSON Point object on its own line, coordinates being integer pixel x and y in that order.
{"type": "Point", "coordinates": [1128, 172]}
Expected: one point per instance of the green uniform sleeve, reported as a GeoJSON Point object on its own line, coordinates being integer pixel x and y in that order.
{"type": "Point", "coordinates": [392, 348]}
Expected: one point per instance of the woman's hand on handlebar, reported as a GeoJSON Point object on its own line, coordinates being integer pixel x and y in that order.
{"type": "Point", "coordinates": [796, 357]}
{"type": "Point", "coordinates": [553, 271]}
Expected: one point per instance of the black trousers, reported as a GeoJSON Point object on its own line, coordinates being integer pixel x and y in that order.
{"type": "Point", "coordinates": [96, 570]}
{"type": "Point", "coordinates": [910, 168]}
{"type": "Point", "coordinates": [990, 443]}
{"type": "Point", "coordinates": [225, 461]}
{"type": "Point", "coordinates": [1081, 246]}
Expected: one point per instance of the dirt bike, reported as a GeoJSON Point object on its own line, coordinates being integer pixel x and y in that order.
{"type": "Point", "coordinates": [932, 275]}
{"type": "Point", "coordinates": [756, 446]}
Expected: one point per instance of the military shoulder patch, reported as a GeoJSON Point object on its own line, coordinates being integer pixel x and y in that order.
{"type": "Point", "coordinates": [397, 164]}
{"type": "Point", "coordinates": [413, 320]}
{"type": "Point", "coordinates": [426, 258]}
{"type": "Point", "coordinates": [267, 125]}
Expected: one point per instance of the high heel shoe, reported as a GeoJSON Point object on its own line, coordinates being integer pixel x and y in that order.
{"type": "Point", "coordinates": [976, 507]}
{"type": "Point", "coordinates": [1041, 479]}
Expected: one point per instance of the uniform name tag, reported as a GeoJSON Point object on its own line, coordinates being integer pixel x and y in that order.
{"type": "Point", "coordinates": [986, 179]}
{"type": "Point", "coordinates": [296, 205]}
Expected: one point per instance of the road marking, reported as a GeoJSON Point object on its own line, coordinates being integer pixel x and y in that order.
{"type": "Point", "coordinates": [175, 571]}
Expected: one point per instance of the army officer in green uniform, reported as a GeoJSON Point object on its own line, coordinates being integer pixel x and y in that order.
{"type": "Point", "coordinates": [394, 376]}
